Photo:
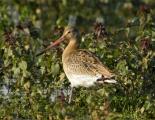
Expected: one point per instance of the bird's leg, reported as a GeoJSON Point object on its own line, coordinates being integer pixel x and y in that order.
{"type": "Point", "coordinates": [70, 96]}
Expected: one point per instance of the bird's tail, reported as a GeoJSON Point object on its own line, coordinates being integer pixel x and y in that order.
{"type": "Point", "coordinates": [110, 81]}
{"type": "Point", "coordinates": [107, 80]}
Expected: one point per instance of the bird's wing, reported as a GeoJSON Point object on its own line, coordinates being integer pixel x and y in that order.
{"type": "Point", "coordinates": [88, 63]}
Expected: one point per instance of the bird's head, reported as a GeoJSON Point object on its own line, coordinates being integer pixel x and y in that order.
{"type": "Point", "coordinates": [69, 34]}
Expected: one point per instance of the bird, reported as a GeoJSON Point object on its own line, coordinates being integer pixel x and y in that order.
{"type": "Point", "coordinates": [81, 66]}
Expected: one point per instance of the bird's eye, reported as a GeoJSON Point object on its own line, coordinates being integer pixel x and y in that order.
{"type": "Point", "coordinates": [69, 31]}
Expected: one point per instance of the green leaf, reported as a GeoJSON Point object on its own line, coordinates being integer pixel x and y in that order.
{"type": "Point", "coordinates": [23, 65]}
{"type": "Point", "coordinates": [55, 69]}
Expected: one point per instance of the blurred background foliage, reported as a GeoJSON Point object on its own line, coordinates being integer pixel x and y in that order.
{"type": "Point", "coordinates": [121, 33]}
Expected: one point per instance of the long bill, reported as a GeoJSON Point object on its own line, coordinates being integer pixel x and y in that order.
{"type": "Point", "coordinates": [57, 42]}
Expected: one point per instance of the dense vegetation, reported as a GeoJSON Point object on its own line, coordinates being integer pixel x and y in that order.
{"type": "Point", "coordinates": [36, 87]}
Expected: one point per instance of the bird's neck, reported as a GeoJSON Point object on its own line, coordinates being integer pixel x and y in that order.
{"type": "Point", "coordinates": [72, 46]}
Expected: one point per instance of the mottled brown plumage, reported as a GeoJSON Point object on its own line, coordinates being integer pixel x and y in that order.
{"type": "Point", "coordinates": [84, 62]}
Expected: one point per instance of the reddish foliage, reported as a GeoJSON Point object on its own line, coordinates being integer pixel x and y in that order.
{"type": "Point", "coordinates": [100, 30]}
{"type": "Point", "coordinates": [145, 44]}
{"type": "Point", "coordinates": [145, 8]}
{"type": "Point", "coordinates": [9, 37]}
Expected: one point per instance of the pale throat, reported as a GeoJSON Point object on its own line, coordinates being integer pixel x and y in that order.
{"type": "Point", "coordinates": [72, 46]}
